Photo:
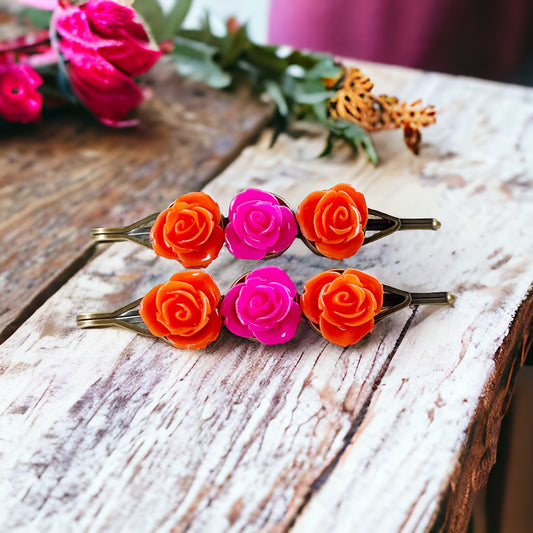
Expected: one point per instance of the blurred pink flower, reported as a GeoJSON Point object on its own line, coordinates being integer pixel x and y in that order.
{"type": "Point", "coordinates": [113, 30]}
{"type": "Point", "coordinates": [106, 91]}
{"type": "Point", "coordinates": [19, 99]}
{"type": "Point", "coordinates": [103, 44]}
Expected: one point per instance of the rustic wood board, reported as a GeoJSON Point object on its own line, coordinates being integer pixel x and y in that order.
{"type": "Point", "coordinates": [105, 430]}
{"type": "Point", "coordinates": [58, 176]}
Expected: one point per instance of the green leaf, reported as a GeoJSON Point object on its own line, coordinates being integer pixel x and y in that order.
{"type": "Point", "coordinates": [176, 16]}
{"type": "Point", "coordinates": [195, 60]}
{"type": "Point", "coordinates": [325, 68]}
{"type": "Point", "coordinates": [266, 58]}
{"type": "Point", "coordinates": [311, 92]}
{"type": "Point", "coordinates": [370, 150]}
{"type": "Point", "coordinates": [329, 145]}
{"type": "Point", "coordinates": [321, 112]}
{"type": "Point", "coordinates": [302, 59]}
{"type": "Point", "coordinates": [273, 89]}
{"type": "Point", "coordinates": [40, 18]}
{"type": "Point", "coordinates": [153, 15]}
{"type": "Point", "coordinates": [233, 46]}
{"type": "Point", "coordinates": [163, 26]}
{"type": "Point", "coordinates": [354, 135]}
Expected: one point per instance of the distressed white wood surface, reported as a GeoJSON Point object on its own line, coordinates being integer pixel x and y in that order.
{"type": "Point", "coordinates": [108, 431]}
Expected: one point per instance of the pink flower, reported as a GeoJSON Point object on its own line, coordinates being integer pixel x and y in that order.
{"type": "Point", "coordinates": [103, 44]}
{"type": "Point", "coordinates": [113, 30]}
{"type": "Point", "coordinates": [108, 93]}
{"type": "Point", "coordinates": [19, 99]}
{"type": "Point", "coordinates": [262, 306]}
{"type": "Point", "coordinates": [259, 225]}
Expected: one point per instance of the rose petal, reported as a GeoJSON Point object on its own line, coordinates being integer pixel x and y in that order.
{"type": "Point", "coordinates": [370, 283]}
{"type": "Point", "coordinates": [188, 229]}
{"type": "Point", "coordinates": [274, 273]}
{"type": "Point", "coordinates": [263, 304]}
{"type": "Point", "coordinates": [238, 248]}
{"type": "Point", "coordinates": [344, 337]}
{"type": "Point", "coordinates": [229, 312]}
{"type": "Point", "coordinates": [306, 213]}
{"type": "Point", "coordinates": [250, 195]}
{"type": "Point", "coordinates": [157, 237]}
{"type": "Point", "coordinates": [148, 311]}
{"type": "Point", "coordinates": [311, 294]}
{"type": "Point", "coordinates": [288, 231]}
{"type": "Point", "coordinates": [257, 223]}
{"type": "Point", "coordinates": [341, 251]}
{"type": "Point", "coordinates": [204, 200]}
{"type": "Point", "coordinates": [358, 198]}
{"type": "Point", "coordinates": [106, 91]}
{"type": "Point", "coordinates": [347, 305]}
{"type": "Point", "coordinates": [201, 281]}
{"type": "Point", "coordinates": [202, 338]}
{"type": "Point", "coordinates": [283, 332]}
{"type": "Point", "coordinates": [186, 312]}
{"type": "Point", "coordinates": [207, 254]}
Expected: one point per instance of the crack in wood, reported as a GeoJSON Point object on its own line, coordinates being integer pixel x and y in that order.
{"type": "Point", "coordinates": [356, 424]}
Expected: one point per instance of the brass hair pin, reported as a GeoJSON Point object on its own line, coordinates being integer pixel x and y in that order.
{"type": "Point", "coordinates": [263, 305]}
{"type": "Point", "coordinates": [333, 223]}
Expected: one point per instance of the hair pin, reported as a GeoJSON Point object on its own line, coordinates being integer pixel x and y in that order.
{"type": "Point", "coordinates": [334, 223]}
{"type": "Point", "coordinates": [263, 305]}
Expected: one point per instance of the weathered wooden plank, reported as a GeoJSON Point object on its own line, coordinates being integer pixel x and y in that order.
{"type": "Point", "coordinates": [59, 176]}
{"type": "Point", "coordinates": [102, 430]}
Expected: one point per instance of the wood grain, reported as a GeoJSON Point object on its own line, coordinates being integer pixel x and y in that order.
{"type": "Point", "coordinates": [59, 176]}
{"type": "Point", "coordinates": [108, 431]}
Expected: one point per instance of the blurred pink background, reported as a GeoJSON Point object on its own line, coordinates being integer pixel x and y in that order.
{"type": "Point", "coordinates": [491, 38]}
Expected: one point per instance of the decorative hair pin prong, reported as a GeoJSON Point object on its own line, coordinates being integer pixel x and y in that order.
{"type": "Point", "coordinates": [138, 232]}
{"type": "Point", "coordinates": [126, 317]}
{"type": "Point", "coordinates": [333, 223]}
{"type": "Point", "coordinates": [263, 305]}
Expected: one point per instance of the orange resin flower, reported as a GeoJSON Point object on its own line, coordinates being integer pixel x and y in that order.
{"type": "Point", "coordinates": [334, 221]}
{"type": "Point", "coordinates": [342, 304]}
{"type": "Point", "coordinates": [190, 230]}
{"type": "Point", "coordinates": [184, 310]}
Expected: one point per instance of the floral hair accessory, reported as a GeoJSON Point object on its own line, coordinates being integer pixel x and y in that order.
{"type": "Point", "coordinates": [187, 311]}
{"type": "Point", "coordinates": [333, 223]}
{"type": "Point", "coordinates": [262, 305]}
{"type": "Point", "coordinates": [190, 231]}
{"type": "Point", "coordinates": [184, 310]}
{"type": "Point", "coordinates": [342, 305]}
{"type": "Point", "coordinates": [259, 225]}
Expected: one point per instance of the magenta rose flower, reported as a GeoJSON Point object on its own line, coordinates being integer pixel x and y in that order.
{"type": "Point", "coordinates": [20, 101]}
{"type": "Point", "coordinates": [103, 45]}
{"type": "Point", "coordinates": [259, 225]}
{"type": "Point", "coordinates": [262, 306]}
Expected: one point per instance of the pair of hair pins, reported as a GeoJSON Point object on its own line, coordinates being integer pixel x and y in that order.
{"type": "Point", "coordinates": [188, 311]}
